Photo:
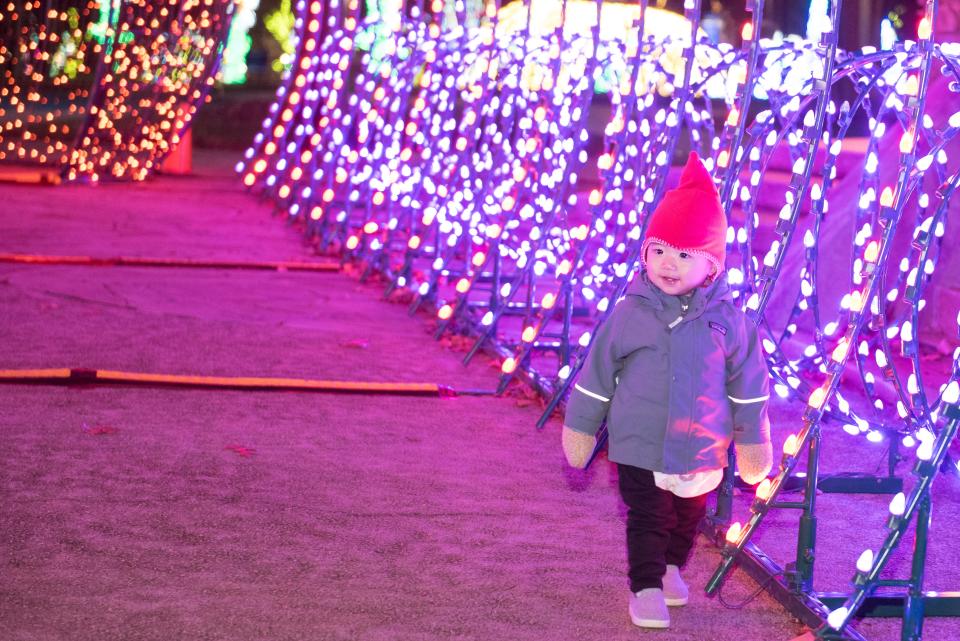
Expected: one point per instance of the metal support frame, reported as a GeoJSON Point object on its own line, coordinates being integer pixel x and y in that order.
{"type": "Point", "coordinates": [766, 572]}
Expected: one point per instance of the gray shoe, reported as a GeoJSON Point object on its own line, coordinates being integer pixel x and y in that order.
{"type": "Point", "coordinates": [675, 591]}
{"type": "Point", "coordinates": [648, 609]}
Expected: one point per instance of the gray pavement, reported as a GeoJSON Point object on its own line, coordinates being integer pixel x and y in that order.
{"type": "Point", "coordinates": [154, 513]}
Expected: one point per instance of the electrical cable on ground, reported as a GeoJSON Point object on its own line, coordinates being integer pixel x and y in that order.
{"type": "Point", "coordinates": [29, 176]}
{"type": "Point", "coordinates": [753, 595]}
{"type": "Point", "coordinates": [82, 376]}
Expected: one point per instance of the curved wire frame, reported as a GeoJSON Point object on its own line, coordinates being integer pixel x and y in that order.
{"type": "Point", "coordinates": [449, 155]}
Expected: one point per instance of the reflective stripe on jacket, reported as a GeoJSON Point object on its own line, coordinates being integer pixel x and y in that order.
{"type": "Point", "coordinates": [675, 387]}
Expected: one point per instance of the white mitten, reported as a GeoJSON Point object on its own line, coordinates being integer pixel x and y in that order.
{"type": "Point", "coordinates": [577, 447]}
{"type": "Point", "coordinates": [754, 461]}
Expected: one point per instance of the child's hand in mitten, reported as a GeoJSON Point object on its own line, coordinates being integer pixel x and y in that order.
{"type": "Point", "coordinates": [577, 447]}
{"type": "Point", "coordinates": [754, 461]}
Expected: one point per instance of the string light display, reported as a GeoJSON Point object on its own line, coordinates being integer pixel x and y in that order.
{"type": "Point", "coordinates": [104, 89]}
{"type": "Point", "coordinates": [451, 155]}
{"type": "Point", "coordinates": [46, 64]}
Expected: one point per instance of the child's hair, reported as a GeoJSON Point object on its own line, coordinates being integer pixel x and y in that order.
{"type": "Point", "coordinates": [690, 218]}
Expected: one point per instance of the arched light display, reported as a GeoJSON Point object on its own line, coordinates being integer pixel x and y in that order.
{"type": "Point", "coordinates": [453, 159]}
{"type": "Point", "coordinates": [104, 89]}
{"type": "Point", "coordinates": [45, 90]}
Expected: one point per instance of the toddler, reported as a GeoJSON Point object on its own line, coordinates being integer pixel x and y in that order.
{"type": "Point", "coordinates": [677, 372]}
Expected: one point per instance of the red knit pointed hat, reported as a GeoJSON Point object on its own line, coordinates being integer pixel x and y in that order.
{"type": "Point", "coordinates": [690, 217]}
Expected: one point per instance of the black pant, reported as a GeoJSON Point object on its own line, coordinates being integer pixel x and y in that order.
{"type": "Point", "coordinates": [661, 526]}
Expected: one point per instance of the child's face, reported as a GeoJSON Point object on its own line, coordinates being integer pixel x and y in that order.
{"type": "Point", "coordinates": [676, 272]}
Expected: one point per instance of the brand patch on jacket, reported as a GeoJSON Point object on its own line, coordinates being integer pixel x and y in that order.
{"type": "Point", "coordinates": [718, 327]}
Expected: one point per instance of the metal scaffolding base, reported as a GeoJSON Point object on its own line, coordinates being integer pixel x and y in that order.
{"type": "Point", "coordinates": [935, 604]}
{"type": "Point", "coordinates": [766, 572]}
{"type": "Point", "coordinates": [857, 483]}
{"type": "Point", "coordinates": [812, 609]}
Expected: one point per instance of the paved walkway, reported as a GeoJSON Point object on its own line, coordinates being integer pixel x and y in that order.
{"type": "Point", "coordinates": [158, 513]}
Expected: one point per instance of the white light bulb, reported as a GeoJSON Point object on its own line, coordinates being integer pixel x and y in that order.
{"type": "Point", "coordinates": [906, 332]}
{"type": "Point", "coordinates": [733, 533]}
{"type": "Point", "coordinates": [837, 618]}
{"type": "Point", "coordinates": [865, 562]}
{"type": "Point", "coordinates": [898, 504]}
{"type": "Point", "coordinates": [912, 384]}
{"type": "Point", "coordinates": [952, 394]}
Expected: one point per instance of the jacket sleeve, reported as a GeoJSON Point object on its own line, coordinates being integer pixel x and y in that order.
{"type": "Point", "coordinates": [593, 391]}
{"type": "Point", "coordinates": [748, 387]}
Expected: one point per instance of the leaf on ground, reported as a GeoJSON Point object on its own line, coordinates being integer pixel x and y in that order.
{"type": "Point", "coordinates": [99, 430]}
{"type": "Point", "coordinates": [461, 343]}
{"type": "Point", "coordinates": [517, 389]}
{"type": "Point", "coordinates": [401, 296]}
{"type": "Point", "coordinates": [241, 450]}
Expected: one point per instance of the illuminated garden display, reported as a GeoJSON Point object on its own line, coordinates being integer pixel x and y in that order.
{"type": "Point", "coordinates": [104, 90]}
{"type": "Point", "coordinates": [445, 147]}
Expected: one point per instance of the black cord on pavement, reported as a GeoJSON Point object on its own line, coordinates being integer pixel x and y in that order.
{"type": "Point", "coordinates": [754, 595]}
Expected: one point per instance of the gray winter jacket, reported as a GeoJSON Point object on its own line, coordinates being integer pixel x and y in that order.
{"type": "Point", "coordinates": [674, 387]}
